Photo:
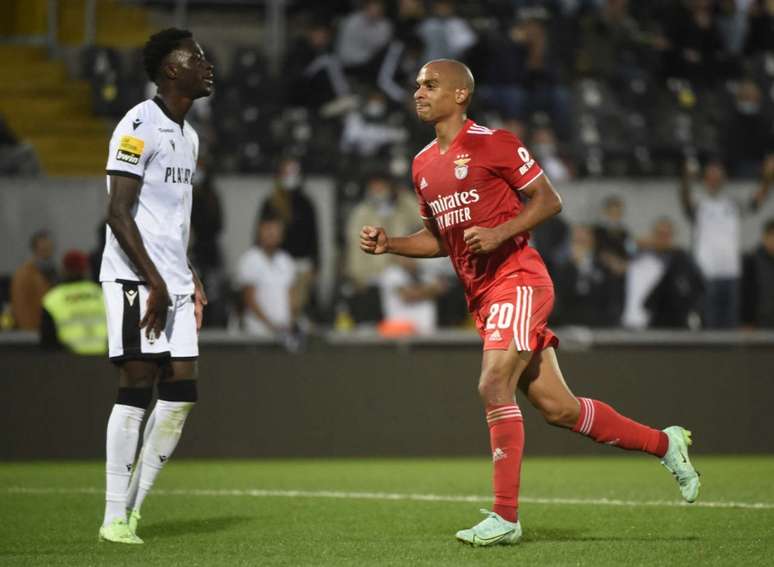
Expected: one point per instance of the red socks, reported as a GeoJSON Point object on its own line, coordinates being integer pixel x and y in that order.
{"type": "Point", "coordinates": [605, 425]}
{"type": "Point", "coordinates": [597, 420]}
{"type": "Point", "coordinates": [506, 437]}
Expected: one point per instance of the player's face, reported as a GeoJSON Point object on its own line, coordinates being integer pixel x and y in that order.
{"type": "Point", "coordinates": [195, 76]}
{"type": "Point", "coordinates": [435, 97]}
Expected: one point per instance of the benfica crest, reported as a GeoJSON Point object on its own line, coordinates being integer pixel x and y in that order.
{"type": "Point", "coordinates": [461, 166]}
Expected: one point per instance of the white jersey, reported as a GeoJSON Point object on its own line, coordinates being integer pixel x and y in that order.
{"type": "Point", "coordinates": [716, 237]}
{"type": "Point", "coordinates": [272, 278]}
{"type": "Point", "coordinates": [150, 146]}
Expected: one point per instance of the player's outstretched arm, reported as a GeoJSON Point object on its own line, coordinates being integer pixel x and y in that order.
{"type": "Point", "coordinates": [124, 192]}
{"type": "Point", "coordinates": [425, 243]}
{"type": "Point", "coordinates": [544, 202]}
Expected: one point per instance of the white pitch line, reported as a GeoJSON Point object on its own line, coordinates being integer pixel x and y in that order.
{"type": "Point", "coordinates": [396, 496]}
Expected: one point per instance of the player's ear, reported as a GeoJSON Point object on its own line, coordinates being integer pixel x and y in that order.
{"type": "Point", "coordinates": [461, 95]}
{"type": "Point", "coordinates": [169, 70]}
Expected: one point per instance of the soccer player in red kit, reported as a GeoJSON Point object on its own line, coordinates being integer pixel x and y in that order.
{"type": "Point", "coordinates": [480, 192]}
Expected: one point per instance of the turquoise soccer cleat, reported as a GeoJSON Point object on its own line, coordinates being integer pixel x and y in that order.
{"type": "Point", "coordinates": [677, 462]}
{"type": "Point", "coordinates": [492, 530]}
{"type": "Point", "coordinates": [118, 532]}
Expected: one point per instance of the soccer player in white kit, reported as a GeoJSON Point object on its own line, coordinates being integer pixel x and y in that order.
{"type": "Point", "coordinates": [153, 297]}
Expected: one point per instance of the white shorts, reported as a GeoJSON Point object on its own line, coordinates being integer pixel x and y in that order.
{"type": "Point", "coordinates": [125, 304]}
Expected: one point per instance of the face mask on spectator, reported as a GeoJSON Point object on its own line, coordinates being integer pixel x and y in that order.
{"type": "Point", "coordinates": [291, 181]}
{"type": "Point", "coordinates": [748, 107]}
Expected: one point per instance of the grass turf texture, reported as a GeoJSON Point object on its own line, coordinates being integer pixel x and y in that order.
{"type": "Point", "coordinates": [54, 521]}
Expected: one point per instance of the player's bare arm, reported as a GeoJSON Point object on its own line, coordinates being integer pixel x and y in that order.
{"type": "Point", "coordinates": [124, 192]}
{"type": "Point", "coordinates": [200, 297]}
{"type": "Point", "coordinates": [425, 243]}
{"type": "Point", "coordinates": [544, 202]}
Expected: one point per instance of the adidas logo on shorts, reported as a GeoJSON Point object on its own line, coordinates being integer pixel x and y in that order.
{"type": "Point", "coordinates": [496, 336]}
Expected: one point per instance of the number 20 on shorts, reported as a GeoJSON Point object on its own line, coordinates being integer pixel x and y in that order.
{"type": "Point", "coordinates": [500, 316]}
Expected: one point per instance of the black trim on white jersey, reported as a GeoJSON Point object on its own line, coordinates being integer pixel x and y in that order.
{"type": "Point", "coordinates": [119, 173]}
{"type": "Point", "coordinates": [157, 99]}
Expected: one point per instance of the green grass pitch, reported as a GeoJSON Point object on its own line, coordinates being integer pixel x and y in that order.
{"type": "Point", "coordinates": [617, 510]}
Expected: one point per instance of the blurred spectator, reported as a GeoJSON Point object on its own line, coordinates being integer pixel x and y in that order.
{"type": "Point", "coordinates": [367, 129]}
{"type": "Point", "coordinates": [445, 34]}
{"type": "Point", "coordinates": [664, 287]}
{"type": "Point", "coordinates": [750, 129]}
{"type": "Point", "coordinates": [363, 34]}
{"type": "Point", "coordinates": [408, 295]}
{"type": "Point", "coordinates": [758, 282]}
{"type": "Point", "coordinates": [315, 74]}
{"type": "Point", "coordinates": [382, 206]}
{"type": "Point", "coordinates": [206, 255]}
{"type": "Point", "coordinates": [399, 68]}
{"type": "Point", "coordinates": [544, 148]}
{"type": "Point", "coordinates": [302, 238]}
{"type": "Point", "coordinates": [31, 282]}
{"type": "Point", "coordinates": [74, 311]}
{"type": "Point", "coordinates": [582, 284]}
{"type": "Point", "coordinates": [732, 18]}
{"type": "Point", "coordinates": [410, 15]}
{"type": "Point", "coordinates": [518, 77]}
{"type": "Point", "coordinates": [16, 157]}
{"type": "Point", "coordinates": [611, 235]}
{"type": "Point", "coordinates": [206, 222]}
{"type": "Point", "coordinates": [267, 275]}
{"type": "Point", "coordinates": [760, 28]}
{"type": "Point", "coordinates": [697, 50]}
{"type": "Point", "coordinates": [716, 219]}
{"type": "Point", "coordinates": [615, 247]}
{"type": "Point", "coordinates": [612, 44]}
{"type": "Point", "coordinates": [552, 240]}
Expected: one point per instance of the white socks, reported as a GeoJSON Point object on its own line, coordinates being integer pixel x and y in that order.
{"type": "Point", "coordinates": [161, 436]}
{"type": "Point", "coordinates": [134, 484]}
{"type": "Point", "coordinates": [123, 431]}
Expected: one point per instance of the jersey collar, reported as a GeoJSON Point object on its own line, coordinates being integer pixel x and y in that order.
{"type": "Point", "coordinates": [465, 125]}
{"type": "Point", "coordinates": [160, 103]}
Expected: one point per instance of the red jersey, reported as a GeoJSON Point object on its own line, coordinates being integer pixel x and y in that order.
{"type": "Point", "coordinates": [476, 183]}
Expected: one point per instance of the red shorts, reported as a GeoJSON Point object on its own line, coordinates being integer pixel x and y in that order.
{"type": "Point", "coordinates": [517, 314]}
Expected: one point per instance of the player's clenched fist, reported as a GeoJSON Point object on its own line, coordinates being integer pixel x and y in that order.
{"type": "Point", "coordinates": [482, 240]}
{"type": "Point", "coordinates": [373, 240]}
